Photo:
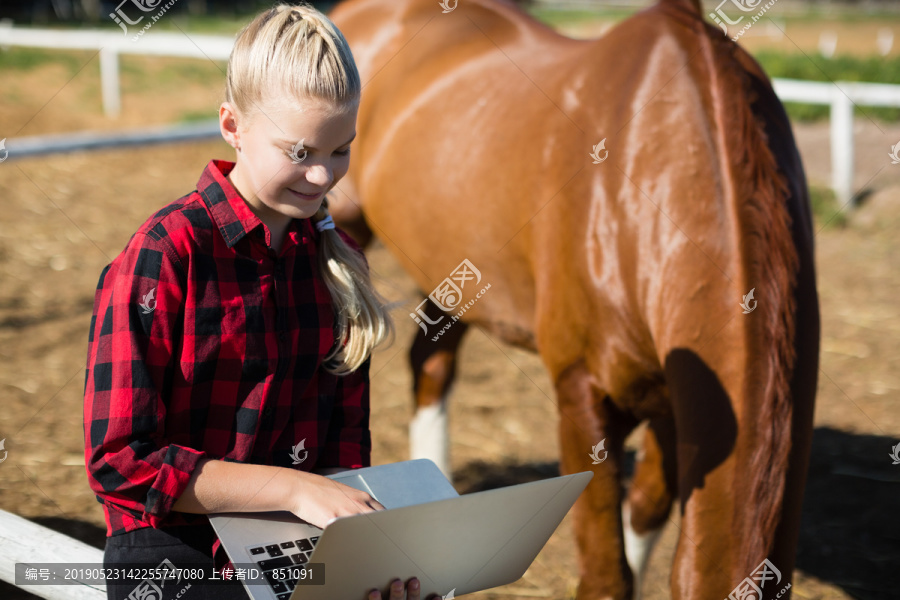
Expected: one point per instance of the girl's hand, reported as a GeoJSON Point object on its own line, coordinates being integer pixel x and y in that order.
{"type": "Point", "coordinates": [317, 500]}
{"type": "Point", "coordinates": [396, 591]}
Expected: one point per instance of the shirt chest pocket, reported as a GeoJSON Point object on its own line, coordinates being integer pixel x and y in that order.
{"type": "Point", "coordinates": [228, 341]}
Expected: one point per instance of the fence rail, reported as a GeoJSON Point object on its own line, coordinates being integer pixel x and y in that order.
{"type": "Point", "coordinates": [32, 544]}
{"type": "Point", "coordinates": [40, 145]}
{"type": "Point", "coordinates": [841, 96]}
{"type": "Point", "coordinates": [111, 44]}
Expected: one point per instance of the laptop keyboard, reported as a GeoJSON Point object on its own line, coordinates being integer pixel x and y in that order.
{"type": "Point", "coordinates": [278, 556]}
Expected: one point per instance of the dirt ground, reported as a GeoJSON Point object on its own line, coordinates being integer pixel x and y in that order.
{"type": "Point", "coordinates": [64, 217]}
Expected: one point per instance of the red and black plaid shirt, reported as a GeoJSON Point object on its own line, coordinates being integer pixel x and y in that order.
{"type": "Point", "coordinates": [205, 344]}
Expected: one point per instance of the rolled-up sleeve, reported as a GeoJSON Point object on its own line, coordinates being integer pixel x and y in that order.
{"type": "Point", "coordinates": [135, 328]}
{"type": "Point", "coordinates": [349, 441]}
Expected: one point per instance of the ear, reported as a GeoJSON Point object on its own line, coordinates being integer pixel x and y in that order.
{"type": "Point", "coordinates": [228, 125]}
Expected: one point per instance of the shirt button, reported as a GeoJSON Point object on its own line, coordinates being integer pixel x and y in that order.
{"type": "Point", "coordinates": [267, 411]}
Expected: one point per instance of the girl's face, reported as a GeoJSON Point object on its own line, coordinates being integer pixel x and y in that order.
{"type": "Point", "coordinates": [278, 177]}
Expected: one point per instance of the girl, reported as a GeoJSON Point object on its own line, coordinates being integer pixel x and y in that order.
{"type": "Point", "coordinates": [230, 341]}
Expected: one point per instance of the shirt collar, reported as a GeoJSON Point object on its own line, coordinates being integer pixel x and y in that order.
{"type": "Point", "coordinates": [229, 210]}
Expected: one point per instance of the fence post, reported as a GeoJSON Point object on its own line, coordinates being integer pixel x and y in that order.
{"type": "Point", "coordinates": [109, 81]}
{"type": "Point", "coordinates": [841, 144]}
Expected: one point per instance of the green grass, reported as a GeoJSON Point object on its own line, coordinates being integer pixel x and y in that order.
{"type": "Point", "coordinates": [26, 59]}
{"type": "Point", "coordinates": [819, 68]}
{"type": "Point", "coordinates": [833, 13]}
{"type": "Point", "coordinates": [205, 25]}
{"type": "Point", "coordinates": [815, 67]}
{"type": "Point", "coordinates": [135, 76]}
{"type": "Point", "coordinates": [228, 23]}
{"type": "Point", "coordinates": [195, 116]}
{"type": "Point", "coordinates": [555, 17]}
{"type": "Point", "coordinates": [139, 75]}
{"type": "Point", "coordinates": [825, 208]}
{"type": "Point", "coordinates": [132, 69]}
{"type": "Point", "coordinates": [812, 67]}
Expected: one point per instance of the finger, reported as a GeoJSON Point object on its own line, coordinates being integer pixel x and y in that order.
{"type": "Point", "coordinates": [397, 590]}
{"type": "Point", "coordinates": [413, 589]}
{"type": "Point", "coordinates": [374, 595]}
{"type": "Point", "coordinates": [368, 504]}
{"type": "Point", "coordinates": [370, 501]}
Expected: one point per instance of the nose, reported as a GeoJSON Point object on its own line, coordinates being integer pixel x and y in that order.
{"type": "Point", "coordinates": [319, 175]}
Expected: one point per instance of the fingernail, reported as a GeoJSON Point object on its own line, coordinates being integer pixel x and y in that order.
{"type": "Point", "coordinates": [414, 583]}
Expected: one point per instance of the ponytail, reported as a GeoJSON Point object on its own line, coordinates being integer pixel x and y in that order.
{"type": "Point", "coordinates": [362, 321]}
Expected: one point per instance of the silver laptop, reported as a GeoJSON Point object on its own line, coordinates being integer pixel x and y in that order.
{"type": "Point", "coordinates": [453, 544]}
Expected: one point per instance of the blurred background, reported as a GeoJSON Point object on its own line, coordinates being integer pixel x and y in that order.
{"type": "Point", "coordinates": [64, 216]}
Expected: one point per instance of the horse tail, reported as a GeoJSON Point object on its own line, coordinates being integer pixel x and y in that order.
{"type": "Point", "coordinates": [758, 196]}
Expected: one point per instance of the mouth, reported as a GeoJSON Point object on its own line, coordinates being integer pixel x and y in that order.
{"type": "Point", "coordinates": [307, 197]}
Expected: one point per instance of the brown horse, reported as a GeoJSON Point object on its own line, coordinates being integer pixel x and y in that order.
{"type": "Point", "coordinates": [619, 196]}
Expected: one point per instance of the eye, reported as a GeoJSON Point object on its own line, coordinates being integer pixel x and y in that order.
{"type": "Point", "coordinates": [342, 152]}
{"type": "Point", "coordinates": [289, 152]}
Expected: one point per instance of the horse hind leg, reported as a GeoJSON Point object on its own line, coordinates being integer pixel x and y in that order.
{"type": "Point", "coordinates": [650, 496]}
{"type": "Point", "coordinates": [587, 416]}
{"type": "Point", "coordinates": [434, 370]}
{"type": "Point", "coordinates": [723, 526]}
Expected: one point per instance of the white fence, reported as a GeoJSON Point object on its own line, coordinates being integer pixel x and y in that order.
{"type": "Point", "coordinates": [110, 44]}
{"type": "Point", "coordinates": [40, 145]}
{"type": "Point", "coordinates": [841, 96]}
{"type": "Point", "coordinates": [34, 545]}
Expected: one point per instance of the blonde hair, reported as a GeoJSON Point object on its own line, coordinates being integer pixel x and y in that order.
{"type": "Point", "coordinates": [298, 51]}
